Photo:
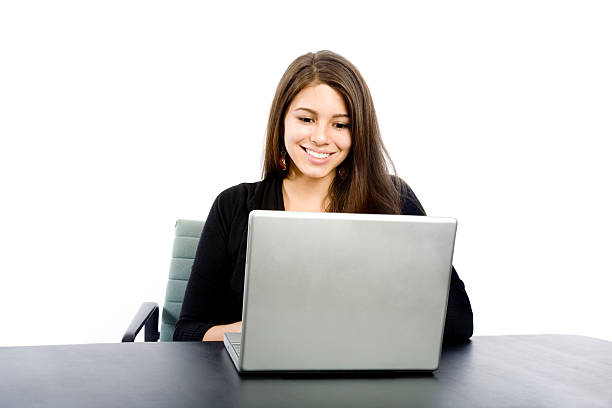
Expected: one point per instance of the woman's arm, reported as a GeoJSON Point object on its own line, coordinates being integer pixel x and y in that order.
{"type": "Point", "coordinates": [459, 320]}
{"type": "Point", "coordinates": [206, 296]}
{"type": "Point", "coordinates": [216, 333]}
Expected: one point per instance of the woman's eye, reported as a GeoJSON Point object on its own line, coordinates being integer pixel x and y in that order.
{"type": "Point", "coordinates": [306, 120]}
{"type": "Point", "coordinates": [342, 125]}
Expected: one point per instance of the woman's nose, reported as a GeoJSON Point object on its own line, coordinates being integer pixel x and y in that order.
{"type": "Point", "coordinates": [319, 135]}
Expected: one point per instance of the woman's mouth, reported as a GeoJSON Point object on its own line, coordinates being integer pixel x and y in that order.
{"type": "Point", "coordinates": [316, 156]}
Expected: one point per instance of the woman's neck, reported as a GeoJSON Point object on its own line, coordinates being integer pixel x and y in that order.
{"type": "Point", "coordinates": [302, 193]}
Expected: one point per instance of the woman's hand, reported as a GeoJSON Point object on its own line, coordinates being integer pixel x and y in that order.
{"type": "Point", "coordinates": [215, 333]}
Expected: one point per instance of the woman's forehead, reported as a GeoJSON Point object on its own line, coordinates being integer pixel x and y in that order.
{"type": "Point", "coordinates": [320, 99]}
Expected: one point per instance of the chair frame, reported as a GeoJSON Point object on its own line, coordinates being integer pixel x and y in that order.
{"type": "Point", "coordinates": [147, 316]}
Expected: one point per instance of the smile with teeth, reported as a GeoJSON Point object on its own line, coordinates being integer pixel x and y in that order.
{"type": "Point", "coordinates": [315, 154]}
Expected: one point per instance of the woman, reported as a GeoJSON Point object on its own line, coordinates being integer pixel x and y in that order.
{"type": "Point", "coordinates": [323, 153]}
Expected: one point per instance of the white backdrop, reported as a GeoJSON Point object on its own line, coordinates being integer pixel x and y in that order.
{"type": "Point", "coordinates": [118, 117]}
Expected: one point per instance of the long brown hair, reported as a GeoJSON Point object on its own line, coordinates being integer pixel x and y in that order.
{"type": "Point", "coordinates": [367, 186]}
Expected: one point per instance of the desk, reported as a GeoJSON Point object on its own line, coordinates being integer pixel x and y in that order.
{"type": "Point", "coordinates": [497, 371]}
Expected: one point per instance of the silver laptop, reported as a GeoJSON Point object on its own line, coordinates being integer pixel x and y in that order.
{"type": "Point", "coordinates": [336, 292]}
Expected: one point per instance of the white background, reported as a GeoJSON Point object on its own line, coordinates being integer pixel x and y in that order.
{"type": "Point", "coordinates": [118, 117]}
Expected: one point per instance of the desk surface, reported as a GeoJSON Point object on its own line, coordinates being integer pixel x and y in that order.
{"type": "Point", "coordinates": [498, 371]}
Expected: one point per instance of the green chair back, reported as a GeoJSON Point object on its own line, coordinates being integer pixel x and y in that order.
{"type": "Point", "coordinates": [186, 237]}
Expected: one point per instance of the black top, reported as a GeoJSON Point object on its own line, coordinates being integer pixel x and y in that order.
{"type": "Point", "coordinates": [215, 288]}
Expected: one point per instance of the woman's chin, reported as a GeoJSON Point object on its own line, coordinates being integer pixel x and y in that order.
{"type": "Point", "coordinates": [314, 174]}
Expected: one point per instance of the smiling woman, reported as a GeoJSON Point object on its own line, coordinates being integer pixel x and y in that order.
{"type": "Point", "coordinates": [323, 153]}
{"type": "Point", "coordinates": [323, 104]}
{"type": "Point", "coordinates": [317, 140]}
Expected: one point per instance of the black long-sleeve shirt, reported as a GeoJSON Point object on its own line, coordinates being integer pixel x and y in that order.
{"type": "Point", "coordinates": [215, 288]}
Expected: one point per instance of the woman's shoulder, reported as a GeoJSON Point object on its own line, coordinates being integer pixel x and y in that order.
{"type": "Point", "coordinates": [248, 195]}
{"type": "Point", "coordinates": [230, 207]}
{"type": "Point", "coordinates": [410, 204]}
{"type": "Point", "coordinates": [239, 190]}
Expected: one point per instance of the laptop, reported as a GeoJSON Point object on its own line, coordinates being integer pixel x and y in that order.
{"type": "Point", "coordinates": [343, 292]}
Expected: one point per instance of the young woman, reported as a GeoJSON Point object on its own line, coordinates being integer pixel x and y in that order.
{"type": "Point", "coordinates": [323, 153]}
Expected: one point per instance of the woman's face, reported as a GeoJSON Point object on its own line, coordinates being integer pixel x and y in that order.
{"type": "Point", "coordinates": [317, 132]}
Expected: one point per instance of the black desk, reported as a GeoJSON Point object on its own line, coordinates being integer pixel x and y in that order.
{"type": "Point", "coordinates": [501, 371]}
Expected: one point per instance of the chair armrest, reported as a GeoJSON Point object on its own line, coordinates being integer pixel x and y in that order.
{"type": "Point", "coordinates": [148, 316]}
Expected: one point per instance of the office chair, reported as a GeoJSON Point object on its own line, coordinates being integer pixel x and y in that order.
{"type": "Point", "coordinates": [186, 238]}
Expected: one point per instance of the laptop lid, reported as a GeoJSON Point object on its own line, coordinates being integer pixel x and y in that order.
{"type": "Point", "coordinates": [336, 291]}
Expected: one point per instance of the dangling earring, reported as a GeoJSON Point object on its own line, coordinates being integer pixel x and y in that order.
{"type": "Point", "coordinates": [283, 162]}
{"type": "Point", "coordinates": [342, 173]}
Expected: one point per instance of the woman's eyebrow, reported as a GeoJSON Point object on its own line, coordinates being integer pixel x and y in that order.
{"type": "Point", "coordinates": [314, 112]}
